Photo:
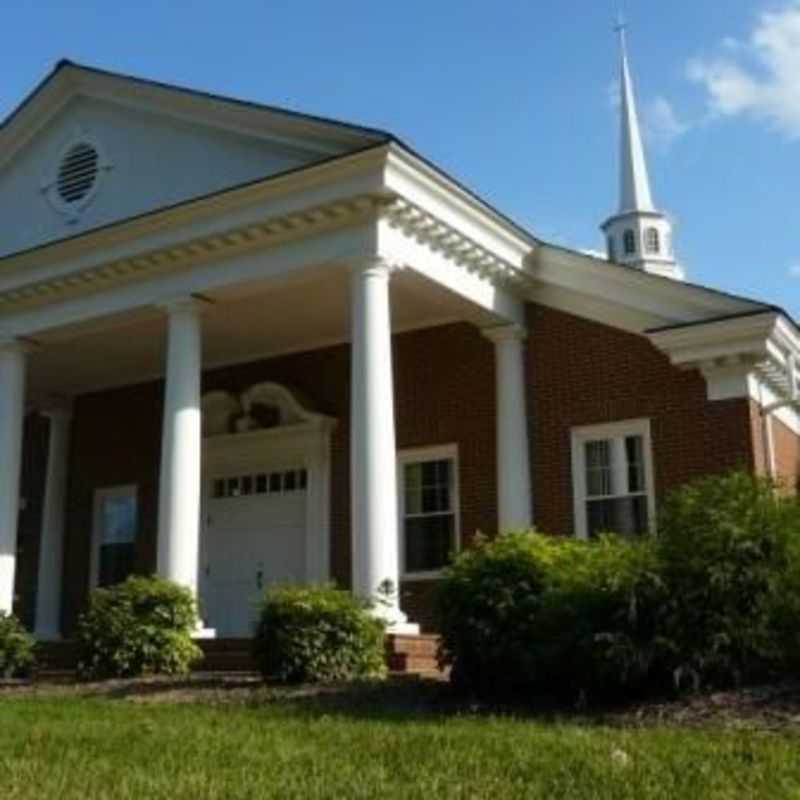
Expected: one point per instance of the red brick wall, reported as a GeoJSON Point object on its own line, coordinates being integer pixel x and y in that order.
{"type": "Point", "coordinates": [584, 373]}
{"type": "Point", "coordinates": [787, 455]}
{"type": "Point", "coordinates": [444, 379]}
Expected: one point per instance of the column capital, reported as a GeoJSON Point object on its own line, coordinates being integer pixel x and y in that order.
{"type": "Point", "coordinates": [184, 303]}
{"type": "Point", "coordinates": [56, 407]}
{"type": "Point", "coordinates": [505, 333]}
{"type": "Point", "coordinates": [375, 266]}
{"type": "Point", "coordinates": [13, 344]}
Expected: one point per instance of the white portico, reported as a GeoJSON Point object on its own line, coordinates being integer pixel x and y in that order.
{"type": "Point", "coordinates": [358, 241]}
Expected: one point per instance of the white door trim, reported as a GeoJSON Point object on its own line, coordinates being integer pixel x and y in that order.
{"type": "Point", "coordinates": [303, 444]}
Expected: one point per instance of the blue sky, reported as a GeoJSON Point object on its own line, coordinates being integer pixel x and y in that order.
{"type": "Point", "coordinates": [513, 97]}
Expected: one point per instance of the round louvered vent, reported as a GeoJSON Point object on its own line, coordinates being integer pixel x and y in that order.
{"type": "Point", "coordinates": [77, 173]}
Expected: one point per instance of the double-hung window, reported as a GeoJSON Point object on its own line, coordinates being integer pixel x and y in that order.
{"type": "Point", "coordinates": [429, 520]}
{"type": "Point", "coordinates": [116, 522]}
{"type": "Point", "coordinates": [612, 469]}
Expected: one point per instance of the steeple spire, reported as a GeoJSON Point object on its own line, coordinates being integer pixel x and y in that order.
{"type": "Point", "coordinates": [638, 235]}
{"type": "Point", "coordinates": [634, 182]}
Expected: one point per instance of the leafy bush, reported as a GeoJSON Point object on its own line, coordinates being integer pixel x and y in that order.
{"type": "Point", "coordinates": [540, 614]}
{"type": "Point", "coordinates": [141, 626]}
{"type": "Point", "coordinates": [17, 648]}
{"type": "Point", "coordinates": [713, 600]}
{"type": "Point", "coordinates": [318, 634]}
{"type": "Point", "coordinates": [728, 554]}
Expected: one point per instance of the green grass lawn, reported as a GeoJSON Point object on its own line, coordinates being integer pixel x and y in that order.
{"type": "Point", "coordinates": [90, 747]}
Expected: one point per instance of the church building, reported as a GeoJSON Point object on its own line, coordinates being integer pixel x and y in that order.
{"type": "Point", "coordinates": [243, 346]}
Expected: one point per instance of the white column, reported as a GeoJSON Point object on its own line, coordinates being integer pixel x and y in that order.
{"type": "Point", "coordinates": [179, 490]}
{"type": "Point", "coordinates": [513, 454]}
{"type": "Point", "coordinates": [51, 547]}
{"type": "Point", "coordinates": [12, 417]}
{"type": "Point", "coordinates": [373, 456]}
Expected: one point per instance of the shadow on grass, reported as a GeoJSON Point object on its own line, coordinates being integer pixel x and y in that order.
{"type": "Point", "coordinates": [772, 706]}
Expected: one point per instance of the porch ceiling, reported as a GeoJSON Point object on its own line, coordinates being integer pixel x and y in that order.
{"type": "Point", "coordinates": [242, 324]}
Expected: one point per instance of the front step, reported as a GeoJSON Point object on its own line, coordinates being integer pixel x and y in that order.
{"type": "Point", "coordinates": [412, 654]}
{"type": "Point", "coordinates": [405, 654]}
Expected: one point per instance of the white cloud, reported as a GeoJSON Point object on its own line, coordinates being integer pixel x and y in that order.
{"type": "Point", "coordinates": [661, 123]}
{"type": "Point", "coordinates": [759, 76]}
{"type": "Point", "coordinates": [794, 270]}
{"type": "Point", "coordinates": [590, 251]}
{"type": "Point", "coordinates": [662, 126]}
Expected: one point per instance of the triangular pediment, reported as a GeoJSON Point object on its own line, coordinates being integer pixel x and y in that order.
{"type": "Point", "coordinates": [90, 148]}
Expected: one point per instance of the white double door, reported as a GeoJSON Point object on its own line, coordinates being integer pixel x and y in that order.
{"type": "Point", "coordinates": [254, 537]}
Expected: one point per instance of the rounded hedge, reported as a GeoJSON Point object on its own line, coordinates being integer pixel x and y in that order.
{"type": "Point", "coordinates": [528, 614]}
{"type": "Point", "coordinates": [138, 627]}
{"type": "Point", "coordinates": [316, 635]}
{"type": "Point", "coordinates": [17, 648]}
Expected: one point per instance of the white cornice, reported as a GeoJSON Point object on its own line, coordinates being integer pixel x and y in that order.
{"type": "Point", "coordinates": [431, 190]}
{"type": "Point", "coordinates": [457, 246]}
{"type": "Point", "coordinates": [730, 352]}
{"type": "Point", "coordinates": [190, 253]}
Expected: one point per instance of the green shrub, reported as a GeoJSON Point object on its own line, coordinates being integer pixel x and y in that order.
{"type": "Point", "coordinates": [550, 615]}
{"type": "Point", "coordinates": [17, 648]}
{"type": "Point", "coordinates": [138, 627]}
{"type": "Point", "coordinates": [712, 600]}
{"type": "Point", "coordinates": [728, 554]}
{"type": "Point", "coordinates": [318, 634]}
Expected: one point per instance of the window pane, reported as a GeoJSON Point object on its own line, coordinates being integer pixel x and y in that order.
{"type": "Point", "coordinates": [626, 516]}
{"type": "Point", "coordinates": [118, 519]}
{"type": "Point", "coordinates": [429, 542]}
{"type": "Point", "coordinates": [413, 488]}
{"type": "Point", "coordinates": [634, 450]}
{"type": "Point", "coordinates": [116, 563]}
{"type": "Point", "coordinates": [428, 487]}
{"type": "Point", "coordinates": [598, 468]}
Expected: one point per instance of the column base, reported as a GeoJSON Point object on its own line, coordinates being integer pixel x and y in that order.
{"type": "Point", "coordinates": [204, 633]}
{"type": "Point", "coordinates": [396, 621]}
{"type": "Point", "coordinates": [403, 629]}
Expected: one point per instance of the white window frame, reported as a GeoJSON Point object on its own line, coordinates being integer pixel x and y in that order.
{"type": "Point", "coordinates": [613, 430]}
{"type": "Point", "coordinates": [126, 490]}
{"type": "Point", "coordinates": [447, 452]}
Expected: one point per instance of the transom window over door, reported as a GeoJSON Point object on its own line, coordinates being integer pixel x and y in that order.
{"type": "Point", "coordinates": [429, 520]}
{"type": "Point", "coordinates": [613, 479]}
{"type": "Point", "coordinates": [116, 515]}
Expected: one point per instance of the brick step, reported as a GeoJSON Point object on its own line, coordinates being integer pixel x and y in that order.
{"type": "Point", "coordinates": [428, 646]}
{"type": "Point", "coordinates": [399, 662]}
{"type": "Point", "coordinates": [405, 654]}
{"type": "Point", "coordinates": [412, 655]}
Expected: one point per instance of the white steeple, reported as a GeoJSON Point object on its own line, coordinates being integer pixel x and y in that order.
{"type": "Point", "coordinates": [634, 182]}
{"type": "Point", "coordinates": [637, 235]}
